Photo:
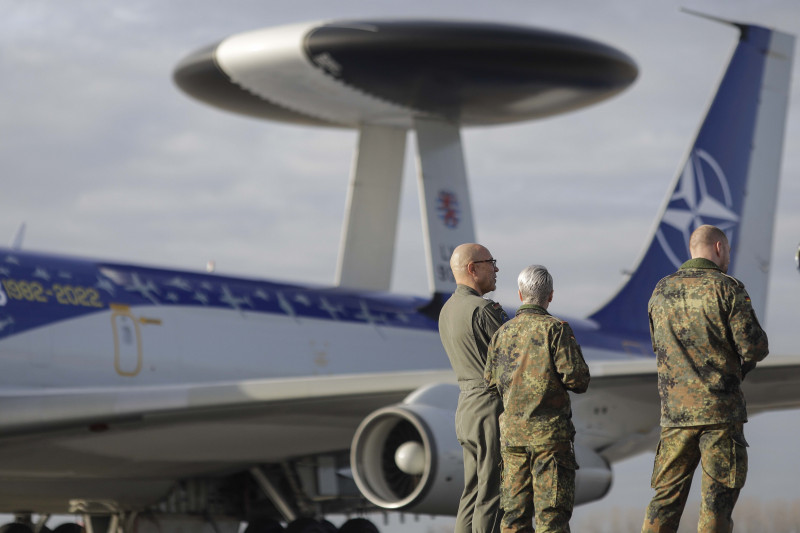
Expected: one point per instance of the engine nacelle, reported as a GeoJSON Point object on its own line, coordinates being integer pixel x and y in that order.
{"type": "Point", "coordinates": [407, 456]}
{"type": "Point", "coordinates": [593, 478]}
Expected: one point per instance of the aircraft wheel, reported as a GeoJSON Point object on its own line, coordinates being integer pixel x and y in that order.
{"type": "Point", "coordinates": [262, 525]}
{"type": "Point", "coordinates": [69, 527]}
{"type": "Point", "coordinates": [16, 527]}
{"type": "Point", "coordinates": [306, 525]}
{"type": "Point", "coordinates": [328, 527]}
{"type": "Point", "coordinates": [358, 525]}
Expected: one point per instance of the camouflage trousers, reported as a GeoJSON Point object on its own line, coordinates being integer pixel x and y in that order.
{"type": "Point", "coordinates": [538, 481]}
{"type": "Point", "coordinates": [722, 452]}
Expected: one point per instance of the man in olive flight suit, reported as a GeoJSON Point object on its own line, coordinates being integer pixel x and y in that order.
{"type": "Point", "coordinates": [706, 338]}
{"type": "Point", "coordinates": [533, 361]}
{"type": "Point", "coordinates": [466, 325]}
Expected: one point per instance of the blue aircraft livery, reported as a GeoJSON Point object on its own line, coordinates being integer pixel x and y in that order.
{"type": "Point", "coordinates": [38, 289]}
{"type": "Point", "coordinates": [711, 188]}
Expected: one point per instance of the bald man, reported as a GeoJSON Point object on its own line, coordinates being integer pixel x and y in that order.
{"type": "Point", "coordinates": [706, 338]}
{"type": "Point", "coordinates": [466, 325]}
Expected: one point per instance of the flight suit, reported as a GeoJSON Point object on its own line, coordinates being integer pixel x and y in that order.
{"type": "Point", "coordinates": [706, 338]}
{"type": "Point", "coordinates": [466, 325]}
{"type": "Point", "coordinates": [533, 361]}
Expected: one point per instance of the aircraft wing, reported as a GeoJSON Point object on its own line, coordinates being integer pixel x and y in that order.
{"type": "Point", "coordinates": [619, 414]}
{"type": "Point", "coordinates": [25, 411]}
{"type": "Point", "coordinates": [276, 410]}
{"type": "Point", "coordinates": [771, 386]}
{"type": "Point", "coordinates": [90, 439]}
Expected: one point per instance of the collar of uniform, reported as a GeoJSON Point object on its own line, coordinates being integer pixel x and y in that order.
{"type": "Point", "coordinates": [700, 262]}
{"type": "Point", "coordinates": [531, 308]}
{"type": "Point", "coordinates": [464, 289]}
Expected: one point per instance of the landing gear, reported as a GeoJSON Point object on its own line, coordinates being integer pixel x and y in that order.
{"type": "Point", "coordinates": [358, 525]}
{"type": "Point", "coordinates": [69, 527]}
{"type": "Point", "coordinates": [305, 525]}
{"type": "Point", "coordinates": [309, 525]}
{"type": "Point", "coordinates": [16, 527]}
{"type": "Point", "coordinates": [23, 523]}
{"type": "Point", "coordinates": [264, 525]}
{"type": "Point", "coordinates": [22, 527]}
{"type": "Point", "coordinates": [328, 527]}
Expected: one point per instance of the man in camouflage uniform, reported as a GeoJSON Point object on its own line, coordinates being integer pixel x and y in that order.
{"type": "Point", "coordinates": [533, 361]}
{"type": "Point", "coordinates": [466, 325]}
{"type": "Point", "coordinates": [706, 338]}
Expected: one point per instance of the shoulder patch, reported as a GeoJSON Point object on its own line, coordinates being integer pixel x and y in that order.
{"type": "Point", "coordinates": [490, 303]}
{"type": "Point", "coordinates": [496, 309]}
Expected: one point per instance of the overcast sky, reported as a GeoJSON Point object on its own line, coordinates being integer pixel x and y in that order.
{"type": "Point", "coordinates": [102, 156]}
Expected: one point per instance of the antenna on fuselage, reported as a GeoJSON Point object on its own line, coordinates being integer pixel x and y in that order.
{"type": "Point", "coordinates": [19, 236]}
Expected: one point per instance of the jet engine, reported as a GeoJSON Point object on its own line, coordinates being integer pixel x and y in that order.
{"type": "Point", "coordinates": [407, 456]}
{"type": "Point", "coordinates": [593, 478]}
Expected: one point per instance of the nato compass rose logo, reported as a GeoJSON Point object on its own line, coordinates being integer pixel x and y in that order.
{"type": "Point", "coordinates": [447, 206]}
{"type": "Point", "coordinates": [702, 196]}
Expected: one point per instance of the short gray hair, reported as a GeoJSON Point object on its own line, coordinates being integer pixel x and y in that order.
{"type": "Point", "coordinates": [535, 285]}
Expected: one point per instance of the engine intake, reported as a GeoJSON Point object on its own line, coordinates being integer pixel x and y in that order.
{"type": "Point", "coordinates": [406, 456]}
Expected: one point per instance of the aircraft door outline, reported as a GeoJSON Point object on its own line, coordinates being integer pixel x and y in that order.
{"type": "Point", "coordinates": [127, 341]}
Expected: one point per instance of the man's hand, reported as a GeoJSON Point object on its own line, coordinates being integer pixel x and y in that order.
{"type": "Point", "coordinates": [747, 366]}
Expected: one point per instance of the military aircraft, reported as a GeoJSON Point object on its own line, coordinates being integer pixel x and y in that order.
{"type": "Point", "coordinates": [148, 398]}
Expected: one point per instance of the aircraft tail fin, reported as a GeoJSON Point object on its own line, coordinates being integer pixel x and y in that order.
{"type": "Point", "coordinates": [729, 179]}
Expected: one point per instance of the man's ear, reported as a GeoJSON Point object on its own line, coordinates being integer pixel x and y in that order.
{"type": "Point", "coordinates": [520, 295]}
{"type": "Point", "coordinates": [718, 248]}
{"type": "Point", "coordinates": [550, 298]}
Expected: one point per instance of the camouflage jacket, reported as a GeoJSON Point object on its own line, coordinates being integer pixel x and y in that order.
{"type": "Point", "coordinates": [704, 330]}
{"type": "Point", "coordinates": [466, 325]}
{"type": "Point", "coordinates": [533, 361]}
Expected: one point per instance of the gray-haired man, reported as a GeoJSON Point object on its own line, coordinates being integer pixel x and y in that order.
{"type": "Point", "coordinates": [533, 361]}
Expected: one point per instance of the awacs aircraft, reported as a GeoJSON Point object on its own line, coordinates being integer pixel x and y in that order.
{"type": "Point", "coordinates": [152, 399]}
